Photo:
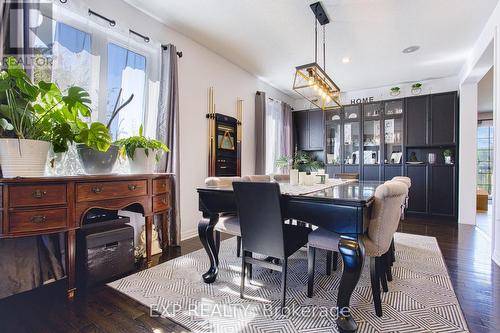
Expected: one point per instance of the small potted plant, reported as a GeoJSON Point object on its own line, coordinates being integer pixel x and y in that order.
{"type": "Point", "coordinates": [448, 156]}
{"type": "Point", "coordinates": [143, 153]}
{"type": "Point", "coordinates": [395, 91]}
{"type": "Point", "coordinates": [416, 88]}
{"type": "Point", "coordinates": [34, 117]}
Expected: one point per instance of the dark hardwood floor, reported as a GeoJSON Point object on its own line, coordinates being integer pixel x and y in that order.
{"type": "Point", "coordinates": [466, 251]}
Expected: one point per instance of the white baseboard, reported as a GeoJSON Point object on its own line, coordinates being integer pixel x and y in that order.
{"type": "Point", "coordinates": [189, 234]}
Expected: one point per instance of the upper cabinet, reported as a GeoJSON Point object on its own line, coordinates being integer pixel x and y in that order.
{"type": "Point", "coordinates": [443, 122]}
{"type": "Point", "coordinates": [417, 109]}
{"type": "Point", "coordinates": [309, 129]}
{"type": "Point", "coordinates": [435, 115]}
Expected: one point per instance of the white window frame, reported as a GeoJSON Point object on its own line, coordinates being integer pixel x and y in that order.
{"type": "Point", "coordinates": [101, 35]}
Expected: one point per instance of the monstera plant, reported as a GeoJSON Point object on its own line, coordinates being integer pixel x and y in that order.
{"type": "Point", "coordinates": [34, 117]}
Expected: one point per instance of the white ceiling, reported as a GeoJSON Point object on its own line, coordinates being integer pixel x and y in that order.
{"type": "Point", "coordinates": [269, 38]}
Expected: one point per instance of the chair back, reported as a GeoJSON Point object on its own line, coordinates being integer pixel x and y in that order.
{"type": "Point", "coordinates": [405, 180]}
{"type": "Point", "coordinates": [281, 178]}
{"type": "Point", "coordinates": [257, 178]}
{"type": "Point", "coordinates": [221, 181]}
{"type": "Point", "coordinates": [347, 176]}
{"type": "Point", "coordinates": [385, 216]}
{"type": "Point", "coordinates": [261, 220]}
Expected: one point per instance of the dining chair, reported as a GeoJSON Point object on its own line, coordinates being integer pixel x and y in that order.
{"type": "Point", "coordinates": [263, 230]}
{"type": "Point", "coordinates": [228, 223]}
{"type": "Point", "coordinates": [347, 176]}
{"type": "Point", "coordinates": [384, 220]}
{"type": "Point", "coordinates": [281, 178]}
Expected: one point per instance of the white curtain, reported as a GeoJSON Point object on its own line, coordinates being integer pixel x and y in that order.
{"type": "Point", "coordinates": [274, 134]}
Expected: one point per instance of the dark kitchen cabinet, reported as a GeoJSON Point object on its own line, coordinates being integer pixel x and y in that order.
{"type": "Point", "coordinates": [418, 190]}
{"type": "Point", "coordinates": [309, 129]}
{"type": "Point", "coordinates": [417, 113]}
{"type": "Point", "coordinates": [443, 118]}
{"type": "Point", "coordinates": [442, 190]}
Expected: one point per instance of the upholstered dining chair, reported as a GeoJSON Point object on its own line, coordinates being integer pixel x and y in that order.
{"type": "Point", "coordinates": [228, 223]}
{"type": "Point", "coordinates": [347, 176]}
{"type": "Point", "coordinates": [263, 230]}
{"type": "Point", "coordinates": [281, 178]}
{"type": "Point", "coordinates": [384, 220]}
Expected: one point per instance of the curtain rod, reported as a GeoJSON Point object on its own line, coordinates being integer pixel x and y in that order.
{"type": "Point", "coordinates": [110, 21]}
{"type": "Point", "coordinates": [179, 53]}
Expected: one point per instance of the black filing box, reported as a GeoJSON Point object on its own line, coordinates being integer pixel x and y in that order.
{"type": "Point", "coordinates": [105, 251]}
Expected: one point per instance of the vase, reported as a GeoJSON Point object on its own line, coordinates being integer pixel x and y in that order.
{"type": "Point", "coordinates": [96, 162]}
{"type": "Point", "coordinates": [23, 157]}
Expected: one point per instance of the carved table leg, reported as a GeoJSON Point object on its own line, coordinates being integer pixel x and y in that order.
{"type": "Point", "coordinates": [149, 236]}
{"type": "Point", "coordinates": [206, 234]}
{"type": "Point", "coordinates": [70, 262]}
{"type": "Point", "coordinates": [353, 255]}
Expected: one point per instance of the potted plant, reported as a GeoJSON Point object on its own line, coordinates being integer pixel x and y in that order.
{"type": "Point", "coordinates": [143, 153]}
{"type": "Point", "coordinates": [416, 88]}
{"type": "Point", "coordinates": [448, 155]}
{"type": "Point", "coordinates": [395, 91]}
{"type": "Point", "coordinates": [34, 117]}
{"type": "Point", "coordinates": [95, 151]}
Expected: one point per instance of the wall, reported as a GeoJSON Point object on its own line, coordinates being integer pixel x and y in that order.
{"type": "Point", "coordinates": [199, 68]}
{"type": "Point", "coordinates": [383, 93]}
{"type": "Point", "coordinates": [485, 52]}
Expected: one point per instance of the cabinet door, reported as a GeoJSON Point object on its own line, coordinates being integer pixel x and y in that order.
{"type": "Point", "coordinates": [443, 118]}
{"type": "Point", "coordinates": [442, 190]}
{"type": "Point", "coordinates": [301, 126]}
{"type": "Point", "coordinates": [391, 171]}
{"type": "Point", "coordinates": [416, 120]}
{"type": "Point", "coordinates": [418, 190]}
{"type": "Point", "coordinates": [371, 172]}
{"type": "Point", "coordinates": [316, 130]}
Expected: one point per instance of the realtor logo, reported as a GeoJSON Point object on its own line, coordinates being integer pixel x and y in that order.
{"type": "Point", "coordinates": [27, 29]}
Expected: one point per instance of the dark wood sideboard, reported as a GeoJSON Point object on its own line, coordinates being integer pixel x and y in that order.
{"type": "Point", "coordinates": [37, 206]}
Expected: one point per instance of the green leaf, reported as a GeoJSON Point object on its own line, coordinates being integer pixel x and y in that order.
{"type": "Point", "coordinates": [15, 69]}
{"type": "Point", "coordinates": [140, 131]}
{"type": "Point", "coordinates": [96, 137]}
{"type": "Point", "coordinates": [78, 101]}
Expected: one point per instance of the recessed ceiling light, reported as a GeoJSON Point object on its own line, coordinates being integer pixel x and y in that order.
{"type": "Point", "coordinates": [346, 60]}
{"type": "Point", "coordinates": [411, 49]}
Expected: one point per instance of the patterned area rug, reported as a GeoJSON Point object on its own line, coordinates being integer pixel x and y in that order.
{"type": "Point", "coordinates": [420, 298]}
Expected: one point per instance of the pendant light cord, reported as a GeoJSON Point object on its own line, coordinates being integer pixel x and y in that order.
{"type": "Point", "coordinates": [315, 40]}
{"type": "Point", "coordinates": [324, 49]}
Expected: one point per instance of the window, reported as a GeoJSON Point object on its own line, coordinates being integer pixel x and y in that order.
{"type": "Point", "coordinates": [484, 157]}
{"type": "Point", "coordinates": [103, 63]}
{"type": "Point", "coordinates": [274, 133]}
{"type": "Point", "coordinates": [126, 71]}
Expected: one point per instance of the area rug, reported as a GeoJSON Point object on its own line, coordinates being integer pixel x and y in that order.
{"type": "Point", "coordinates": [420, 298]}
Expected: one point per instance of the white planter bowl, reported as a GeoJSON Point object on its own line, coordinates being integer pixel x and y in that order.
{"type": "Point", "coordinates": [142, 163]}
{"type": "Point", "coordinates": [23, 158]}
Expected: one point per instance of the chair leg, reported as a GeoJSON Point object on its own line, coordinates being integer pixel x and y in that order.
{"type": "Point", "coordinates": [238, 246]}
{"type": "Point", "coordinates": [249, 266]}
{"type": "Point", "coordinates": [283, 283]}
{"type": "Point", "coordinates": [311, 258]}
{"type": "Point", "coordinates": [243, 270]}
{"type": "Point", "coordinates": [335, 260]}
{"type": "Point", "coordinates": [393, 251]}
{"type": "Point", "coordinates": [388, 264]}
{"type": "Point", "coordinates": [328, 263]}
{"type": "Point", "coordinates": [381, 272]}
{"type": "Point", "coordinates": [375, 280]}
{"type": "Point", "coordinates": [217, 241]}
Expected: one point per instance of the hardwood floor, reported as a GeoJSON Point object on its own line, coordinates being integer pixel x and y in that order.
{"type": "Point", "coordinates": [466, 251]}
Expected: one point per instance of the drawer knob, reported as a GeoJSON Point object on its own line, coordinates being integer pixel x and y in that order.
{"type": "Point", "coordinates": [39, 219]}
{"type": "Point", "coordinates": [97, 189]}
{"type": "Point", "coordinates": [132, 187]}
{"type": "Point", "coordinates": [38, 194]}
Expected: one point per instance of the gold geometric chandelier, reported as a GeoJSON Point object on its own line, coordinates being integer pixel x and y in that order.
{"type": "Point", "coordinates": [311, 81]}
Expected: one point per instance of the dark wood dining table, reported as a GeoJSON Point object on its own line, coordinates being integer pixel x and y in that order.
{"type": "Point", "coordinates": [344, 209]}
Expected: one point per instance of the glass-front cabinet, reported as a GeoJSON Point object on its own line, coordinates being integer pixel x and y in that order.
{"type": "Point", "coordinates": [371, 133]}
{"type": "Point", "coordinates": [393, 132]}
{"type": "Point", "coordinates": [333, 142]}
{"type": "Point", "coordinates": [352, 134]}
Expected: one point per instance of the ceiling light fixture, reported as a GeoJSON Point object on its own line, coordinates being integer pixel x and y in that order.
{"type": "Point", "coordinates": [346, 60]}
{"type": "Point", "coordinates": [311, 81]}
{"type": "Point", "coordinates": [411, 49]}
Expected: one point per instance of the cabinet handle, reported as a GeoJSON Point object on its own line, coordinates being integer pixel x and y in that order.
{"type": "Point", "coordinates": [132, 187]}
{"type": "Point", "coordinates": [96, 189]}
{"type": "Point", "coordinates": [38, 194]}
{"type": "Point", "coordinates": [39, 219]}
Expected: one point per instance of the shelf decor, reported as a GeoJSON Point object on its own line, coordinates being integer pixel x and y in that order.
{"type": "Point", "coordinates": [311, 81]}
{"type": "Point", "coordinates": [416, 88]}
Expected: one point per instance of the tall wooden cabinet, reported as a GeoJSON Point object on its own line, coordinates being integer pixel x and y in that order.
{"type": "Point", "coordinates": [384, 139]}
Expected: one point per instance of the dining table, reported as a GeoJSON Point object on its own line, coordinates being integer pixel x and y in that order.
{"type": "Point", "coordinates": [340, 206]}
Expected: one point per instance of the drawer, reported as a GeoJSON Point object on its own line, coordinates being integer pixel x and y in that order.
{"type": "Point", "coordinates": [37, 220]}
{"type": "Point", "coordinates": [161, 185]}
{"type": "Point", "coordinates": [37, 195]}
{"type": "Point", "coordinates": [161, 202]}
{"type": "Point", "coordinates": [111, 190]}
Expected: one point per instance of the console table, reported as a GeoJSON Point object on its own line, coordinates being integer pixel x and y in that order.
{"type": "Point", "coordinates": [45, 205]}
